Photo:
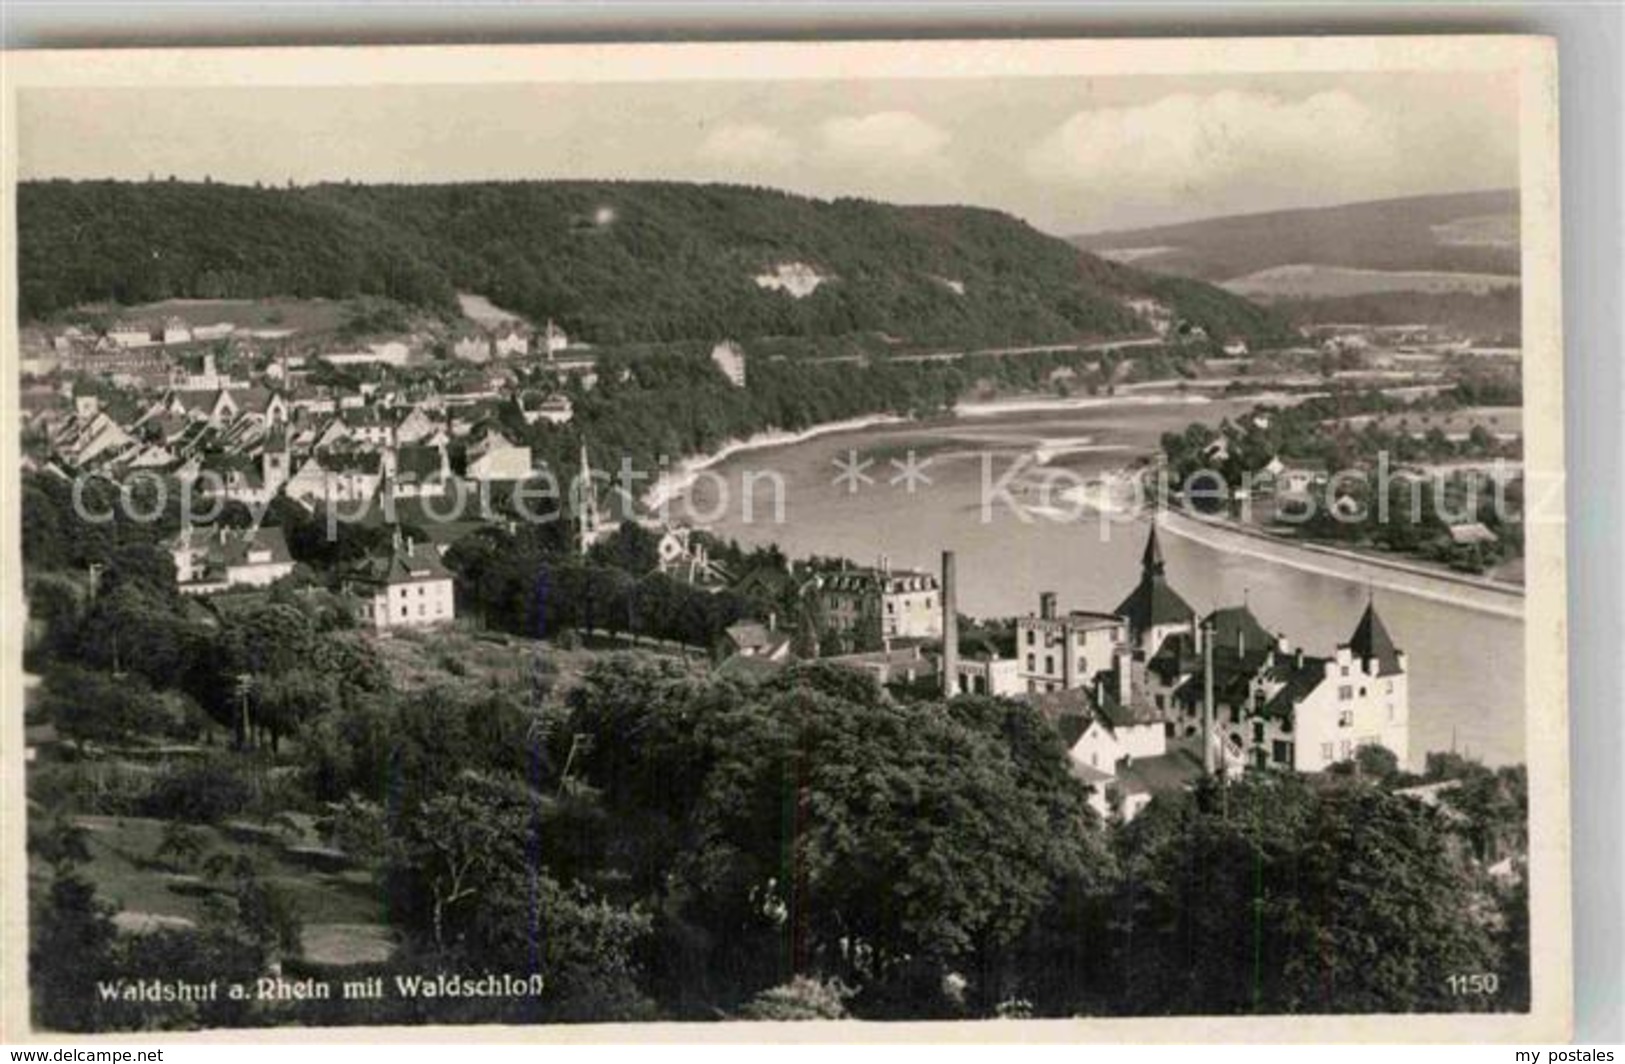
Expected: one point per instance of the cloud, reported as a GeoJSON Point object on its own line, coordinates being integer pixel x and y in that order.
{"type": "Point", "coordinates": [750, 145]}
{"type": "Point", "coordinates": [1222, 151]}
{"type": "Point", "coordinates": [882, 138]}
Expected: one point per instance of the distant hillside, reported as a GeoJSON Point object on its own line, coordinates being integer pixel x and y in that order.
{"type": "Point", "coordinates": [612, 262]}
{"type": "Point", "coordinates": [1468, 232]}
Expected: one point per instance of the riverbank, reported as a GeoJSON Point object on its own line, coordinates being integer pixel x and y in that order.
{"type": "Point", "coordinates": [680, 479]}
{"type": "Point", "coordinates": [1038, 404]}
{"type": "Point", "coordinates": [1408, 578]}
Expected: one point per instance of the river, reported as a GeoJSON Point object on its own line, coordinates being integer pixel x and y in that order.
{"type": "Point", "coordinates": [1467, 663]}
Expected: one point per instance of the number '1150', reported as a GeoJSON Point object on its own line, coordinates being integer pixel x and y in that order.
{"type": "Point", "coordinates": [1477, 983]}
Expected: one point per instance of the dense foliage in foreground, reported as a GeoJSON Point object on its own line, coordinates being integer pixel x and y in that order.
{"type": "Point", "coordinates": [660, 842]}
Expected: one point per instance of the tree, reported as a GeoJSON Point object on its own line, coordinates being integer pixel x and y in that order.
{"type": "Point", "coordinates": [73, 935]}
{"type": "Point", "coordinates": [286, 700]}
{"type": "Point", "coordinates": [182, 847]}
{"type": "Point", "coordinates": [893, 844]}
{"type": "Point", "coordinates": [1276, 895]}
{"type": "Point", "coordinates": [465, 865]}
{"type": "Point", "coordinates": [452, 845]}
{"type": "Point", "coordinates": [804, 644]}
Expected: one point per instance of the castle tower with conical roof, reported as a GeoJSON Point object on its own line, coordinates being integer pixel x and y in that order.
{"type": "Point", "coordinates": [1373, 646]}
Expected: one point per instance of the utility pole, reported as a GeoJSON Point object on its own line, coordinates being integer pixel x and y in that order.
{"type": "Point", "coordinates": [1208, 758]}
{"type": "Point", "coordinates": [245, 684]}
{"type": "Point", "coordinates": [582, 743]}
{"type": "Point", "coordinates": [950, 627]}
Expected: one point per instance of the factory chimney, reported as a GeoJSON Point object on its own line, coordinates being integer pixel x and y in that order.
{"type": "Point", "coordinates": [950, 627]}
{"type": "Point", "coordinates": [1208, 759]}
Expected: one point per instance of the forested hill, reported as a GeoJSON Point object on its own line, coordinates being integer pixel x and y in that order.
{"type": "Point", "coordinates": [610, 261]}
{"type": "Point", "coordinates": [1474, 232]}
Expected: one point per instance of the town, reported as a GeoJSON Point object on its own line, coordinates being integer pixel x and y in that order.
{"type": "Point", "coordinates": [314, 696]}
{"type": "Point", "coordinates": [1150, 695]}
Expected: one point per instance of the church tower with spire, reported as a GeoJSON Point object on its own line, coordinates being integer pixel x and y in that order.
{"type": "Point", "coordinates": [1154, 610]}
{"type": "Point", "coordinates": [589, 526]}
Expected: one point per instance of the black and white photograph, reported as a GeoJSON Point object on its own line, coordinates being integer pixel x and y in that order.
{"type": "Point", "coordinates": [1007, 535]}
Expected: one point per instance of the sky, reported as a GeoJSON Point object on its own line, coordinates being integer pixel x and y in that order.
{"type": "Point", "coordinates": [1069, 155]}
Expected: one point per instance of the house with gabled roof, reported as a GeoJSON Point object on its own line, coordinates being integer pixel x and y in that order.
{"type": "Point", "coordinates": [208, 560]}
{"type": "Point", "coordinates": [471, 345]}
{"type": "Point", "coordinates": [336, 476]}
{"type": "Point", "coordinates": [683, 556]}
{"type": "Point", "coordinates": [555, 409]}
{"type": "Point", "coordinates": [893, 603]}
{"type": "Point", "coordinates": [1308, 713]}
{"type": "Point", "coordinates": [418, 425]}
{"type": "Point", "coordinates": [492, 456]}
{"type": "Point", "coordinates": [176, 331]}
{"type": "Point", "coordinates": [409, 587]}
{"type": "Point", "coordinates": [511, 340]}
{"type": "Point", "coordinates": [125, 335]}
{"type": "Point", "coordinates": [88, 436]}
{"type": "Point", "coordinates": [419, 471]}
{"type": "Point", "coordinates": [368, 425]}
{"type": "Point", "coordinates": [763, 641]}
{"type": "Point", "coordinates": [235, 478]}
{"type": "Point", "coordinates": [1118, 751]}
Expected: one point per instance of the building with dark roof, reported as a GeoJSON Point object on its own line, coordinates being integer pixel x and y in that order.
{"type": "Point", "coordinates": [208, 560]}
{"type": "Point", "coordinates": [893, 603]}
{"type": "Point", "coordinates": [1308, 713]}
{"type": "Point", "coordinates": [1154, 610]}
{"type": "Point", "coordinates": [409, 587]}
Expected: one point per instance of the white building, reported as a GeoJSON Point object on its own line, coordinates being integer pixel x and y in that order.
{"type": "Point", "coordinates": [900, 603]}
{"type": "Point", "coordinates": [1308, 713]}
{"type": "Point", "coordinates": [337, 477]}
{"type": "Point", "coordinates": [513, 340]}
{"type": "Point", "coordinates": [128, 335]}
{"type": "Point", "coordinates": [211, 560]}
{"type": "Point", "coordinates": [494, 457]}
{"type": "Point", "coordinates": [556, 409]}
{"type": "Point", "coordinates": [177, 331]}
{"type": "Point", "coordinates": [554, 340]}
{"type": "Point", "coordinates": [999, 677]}
{"type": "Point", "coordinates": [472, 347]}
{"type": "Point", "coordinates": [1062, 652]}
{"type": "Point", "coordinates": [411, 588]}
{"type": "Point", "coordinates": [1115, 732]}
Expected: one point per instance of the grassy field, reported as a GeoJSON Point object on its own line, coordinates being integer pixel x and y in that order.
{"type": "Point", "coordinates": [1501, 421]}
{"type": "Point", "coordinates": [461, 657]}
{"type": "Point", "coordinates": [1330, 282]}
{"type": "Point", "coordinates": [341, 906]}
{"type": "Point", "coordinates": [300, 315]}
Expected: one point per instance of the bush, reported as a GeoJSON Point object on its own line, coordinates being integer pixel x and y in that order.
{"type": "Point", "coordinates": [201, 791]}
{"type": "Point", "coordinates": [182, 848]}
{"type": "Point", "coordinates": [803, 998]}
{"type": "Point", "coordinates": [105, 788]}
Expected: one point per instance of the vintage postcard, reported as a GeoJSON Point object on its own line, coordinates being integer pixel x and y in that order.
{"type": "Point", "coordinates": [1054, 540]}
